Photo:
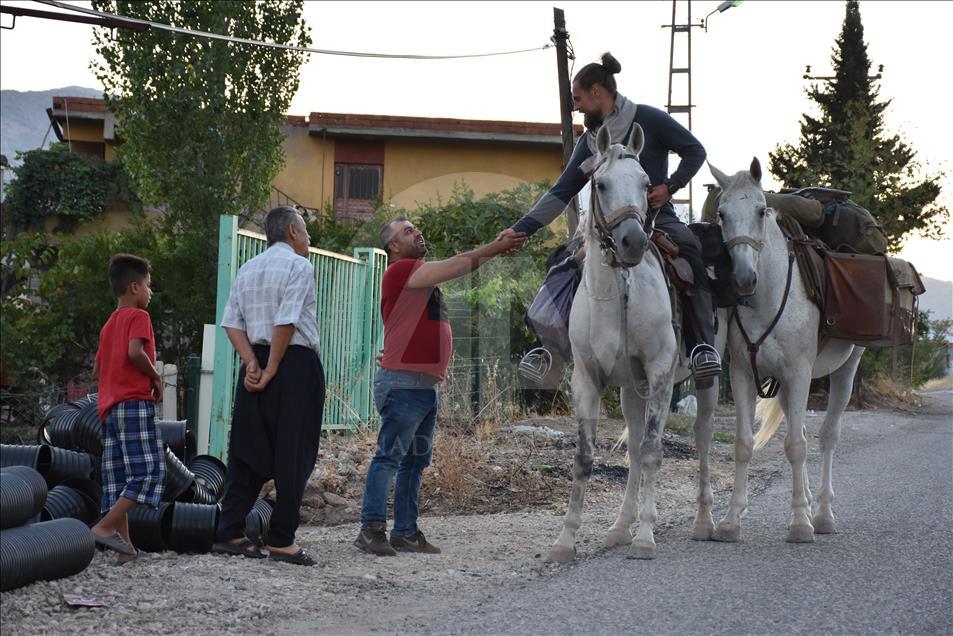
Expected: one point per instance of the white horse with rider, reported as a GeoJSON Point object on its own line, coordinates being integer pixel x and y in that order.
{"type": "Point", "coordinates": [622, 334]}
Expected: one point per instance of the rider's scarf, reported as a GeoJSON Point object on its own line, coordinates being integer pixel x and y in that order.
{"type": "Point", "coordinates": [619, 121]}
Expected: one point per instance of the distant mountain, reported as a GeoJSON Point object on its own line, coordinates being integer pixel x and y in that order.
{"type": "Point", "coordinates": [23, 119]}
{"type": "Point", "coordinates": [938, 298]}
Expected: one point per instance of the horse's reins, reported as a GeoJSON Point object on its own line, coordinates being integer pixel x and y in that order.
{"type": "Point", "coordinates": [753, 347]}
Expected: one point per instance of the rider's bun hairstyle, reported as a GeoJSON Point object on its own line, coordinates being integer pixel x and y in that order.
{"type": "Point", "coordinates": [601, 74]}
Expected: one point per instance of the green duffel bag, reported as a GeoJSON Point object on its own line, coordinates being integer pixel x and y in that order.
{"type": "Point", "coordinates": [808, 212]}
{"type": "Point", "coordinates": [849, 227]}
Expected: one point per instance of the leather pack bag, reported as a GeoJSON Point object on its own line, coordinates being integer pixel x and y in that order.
{"type": "Point", "coordinates": [679, 271]}
{"type": "Point", "coordinates": [867, 303]}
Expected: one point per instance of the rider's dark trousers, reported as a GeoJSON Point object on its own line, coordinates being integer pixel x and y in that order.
{"type": "Point", "coordinates": [700, 303]}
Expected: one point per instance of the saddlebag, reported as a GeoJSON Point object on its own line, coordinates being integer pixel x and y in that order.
{"type": "Point", "coordinates": [869, 300]}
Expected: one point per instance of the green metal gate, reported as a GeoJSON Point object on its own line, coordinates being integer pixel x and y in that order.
{"type": "Point", "coordinates": [349, 321]}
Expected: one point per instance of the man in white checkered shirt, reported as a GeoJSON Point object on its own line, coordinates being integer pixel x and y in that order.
{"type": "Point", "coordinates": [271, 320]}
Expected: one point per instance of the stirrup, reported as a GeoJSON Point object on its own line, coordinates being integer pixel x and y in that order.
{"type": "Point", "coordinates": [535, 365]}
{"type": "Point", "coordinates": [706, 365]}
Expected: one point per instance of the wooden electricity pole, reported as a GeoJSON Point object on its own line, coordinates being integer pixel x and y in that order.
{"type": "Point", "coordinates": [560, 37]}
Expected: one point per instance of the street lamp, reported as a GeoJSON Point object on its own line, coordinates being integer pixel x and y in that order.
{"type": "Point", "coordinates": [721, 8]}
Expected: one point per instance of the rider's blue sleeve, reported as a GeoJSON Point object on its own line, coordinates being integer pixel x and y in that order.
{"type": "Point", "coordinates": [557, 198]}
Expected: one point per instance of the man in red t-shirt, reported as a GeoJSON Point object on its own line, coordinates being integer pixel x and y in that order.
{"type": "Point", "coordinates": [129, 385]}
{"type": "Point", "coordinates": [417, 347]}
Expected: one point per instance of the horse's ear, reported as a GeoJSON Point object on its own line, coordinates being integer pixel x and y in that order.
{"type": "Point", "coordinates": [637, 140]}
{"type": "Point", "coordinates": [720, 176]}
{"type": "Point", "coordinates": [603, 140]}
{"type": "Point", "coordinates": [755, 170]}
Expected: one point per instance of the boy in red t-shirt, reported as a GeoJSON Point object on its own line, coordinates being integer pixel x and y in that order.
{"type": "Point", "coordinates": [129, 385]}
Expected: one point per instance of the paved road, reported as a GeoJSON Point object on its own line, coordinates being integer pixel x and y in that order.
{"type": "Point", "coordinates": [888, 570]}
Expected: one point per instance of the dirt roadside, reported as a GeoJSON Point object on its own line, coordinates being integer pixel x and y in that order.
{"type": "Point", "coordinates": [514, 512]}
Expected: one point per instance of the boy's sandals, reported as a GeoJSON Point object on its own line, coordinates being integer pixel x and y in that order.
{"type": "Point", "coordinates": [123, 559]}
{"type": "Point", "coordinates": [244, 548]}
{"type": "Point", "coordinates": [298, 558]}
{"type": "Point", "coordinates": [115, 542]}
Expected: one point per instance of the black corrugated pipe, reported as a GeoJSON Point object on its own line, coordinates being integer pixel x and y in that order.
{"type": "Point", "coordinates": [258, 521]}
{"type": "Point", "coordinates": [58, 431]}
{"type": "Point", "coordinates": [179, 480]}
{"type": "Point", "coordinates": [71, 499]}
{"type": "Point", "coordinates": [36, 457]}
{"type": "Point", "coordinates": [57, 423]}
{"type": "Point", "coordinates": [193, 527]}
{"type": "Point", "coordinates": [173, 436]}
{"type": "Point", "coordinates": [88, 430]}
{"type": "Point", "coordinates": [44, 551]}
{"type": "Point", "coordinates": [66, 463]}
{"type": "Point", "coordinates": [210, 472]}
{"type": "Point", "coordinates": [35, 483]}
{"type": "Point", "coordinates": [18, 497]}
{"type": "Point", "coordinates": [149, 528]}
{"type": "Point", "coordinates": [201, 494]}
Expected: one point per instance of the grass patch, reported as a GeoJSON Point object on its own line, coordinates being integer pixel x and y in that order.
{"type": "Point", "coordinates": [938, 384]}
{"type": "Point", "coordinates": [725, 438]}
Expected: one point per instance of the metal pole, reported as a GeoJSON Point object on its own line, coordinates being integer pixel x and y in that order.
{"type": "Point", "coordinates": [560, 35]}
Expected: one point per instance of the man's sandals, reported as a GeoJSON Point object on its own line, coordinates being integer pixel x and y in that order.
{"type": "Point", "coordinates": [298, 558]}
{"type": "Point", "coordinates": [244, 548]}
{"type": "Point", "coordinates": [248, 549]}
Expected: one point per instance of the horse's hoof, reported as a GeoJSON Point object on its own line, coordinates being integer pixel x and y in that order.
{"type": "Point", "coordinates": [702, 533]}
{"type": "Point", "coordinates": [618, 537]}
{"type": "Point", "coordinates": [642, 550]}
{"type": "Point", "coordinates": [727, 534]}
{"type": "Point", "coordinates": [824, 525]}
{"type": "Point", "coordinates": [800, 534]}
{"type": "Point", "coordinates": [561, 554]}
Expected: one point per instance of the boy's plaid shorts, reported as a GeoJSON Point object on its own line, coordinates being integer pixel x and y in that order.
{"type": "Point", "coordinates": [133, 454]}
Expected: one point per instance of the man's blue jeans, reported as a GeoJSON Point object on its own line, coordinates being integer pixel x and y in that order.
{"type": "Point", "coordinates": [407, 403]}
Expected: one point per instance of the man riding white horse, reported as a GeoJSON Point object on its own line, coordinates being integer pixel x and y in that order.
{"type": "Point", "coordinates": [594, 94]}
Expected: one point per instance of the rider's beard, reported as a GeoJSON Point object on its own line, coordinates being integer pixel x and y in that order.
{"type": "Point", "coordinates": [592, 121]}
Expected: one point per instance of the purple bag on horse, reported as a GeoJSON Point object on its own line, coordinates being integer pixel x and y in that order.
{"type": "Point", "coordinates": [548, 316]}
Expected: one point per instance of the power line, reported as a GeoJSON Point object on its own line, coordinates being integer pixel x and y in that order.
{"type": "Point", "coordinates": [275, 45]}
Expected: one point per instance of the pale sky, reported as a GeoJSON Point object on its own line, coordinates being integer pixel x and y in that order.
{"type": "Point", "coordinates": [747, 69]}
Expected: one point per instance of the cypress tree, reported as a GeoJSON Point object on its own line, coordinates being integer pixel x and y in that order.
{"type": "Point", "coordinates": [847, 147]}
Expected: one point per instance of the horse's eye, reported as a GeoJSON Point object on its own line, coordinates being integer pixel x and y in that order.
{"type": "Point", "coordinates": [600, 185]}
{"type": "Point", "coordinates": [762, 212]}
{"type": "Point", "coordinates": [721, 215]}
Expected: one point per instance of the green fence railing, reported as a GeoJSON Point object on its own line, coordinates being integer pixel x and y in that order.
{"type": "Point", "coordinates": [349, 321]}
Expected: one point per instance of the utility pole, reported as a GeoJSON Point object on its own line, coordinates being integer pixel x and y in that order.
{"type": "Point", "coordinates": [685, 29]}
{"type": "Point", "coordinates": [560, 39]}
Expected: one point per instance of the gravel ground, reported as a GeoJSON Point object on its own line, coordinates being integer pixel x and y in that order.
{"type": "Point", "coordinates": [350, 592]}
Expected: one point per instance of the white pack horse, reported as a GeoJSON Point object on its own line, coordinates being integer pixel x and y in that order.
{"type": "Point", "coordinates": [774, 334]}
{"type": "Point", "coordinates": [621, 332]}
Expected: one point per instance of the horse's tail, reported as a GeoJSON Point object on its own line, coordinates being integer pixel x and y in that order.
{"type": "Point", "coordinates": [770, 413]}
{"type": "Point", "coordinates": [623, 439]}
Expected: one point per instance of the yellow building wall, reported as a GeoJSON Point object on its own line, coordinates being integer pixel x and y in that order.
{"type": "Point", "coordinates": [416, 171]}
{"type": "Point", "coordinates": [308, 174]}
{"type": "Point", "coordinates": [82, 130]}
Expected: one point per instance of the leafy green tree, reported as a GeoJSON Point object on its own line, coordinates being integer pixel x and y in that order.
{"type": "Point", "coordinates": [847, 147]}
{"type": "Point", "coordinates": [199, 121]}
{"type": "Point", "coordinates": [51, 322]}
{"type": "Point", "coordinates": [200, 118]}
{"type": "Point", "coordinates": [69, 186]}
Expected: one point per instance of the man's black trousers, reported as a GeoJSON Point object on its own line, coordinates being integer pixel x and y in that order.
{"type": "Point", "coordinates": [275, 435]}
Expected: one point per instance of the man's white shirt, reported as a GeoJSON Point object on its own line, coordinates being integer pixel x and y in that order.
{"type": "Point", "coordinates": [274, 288]}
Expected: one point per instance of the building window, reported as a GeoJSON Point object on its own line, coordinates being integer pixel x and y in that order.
{"type": "Point", "coordinates": [357, 189]}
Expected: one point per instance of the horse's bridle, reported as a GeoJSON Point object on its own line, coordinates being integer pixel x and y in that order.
{"type": "Point", "coordinates": [604, 224]}
{"type": "Point", "coordinates": [770, 387]}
